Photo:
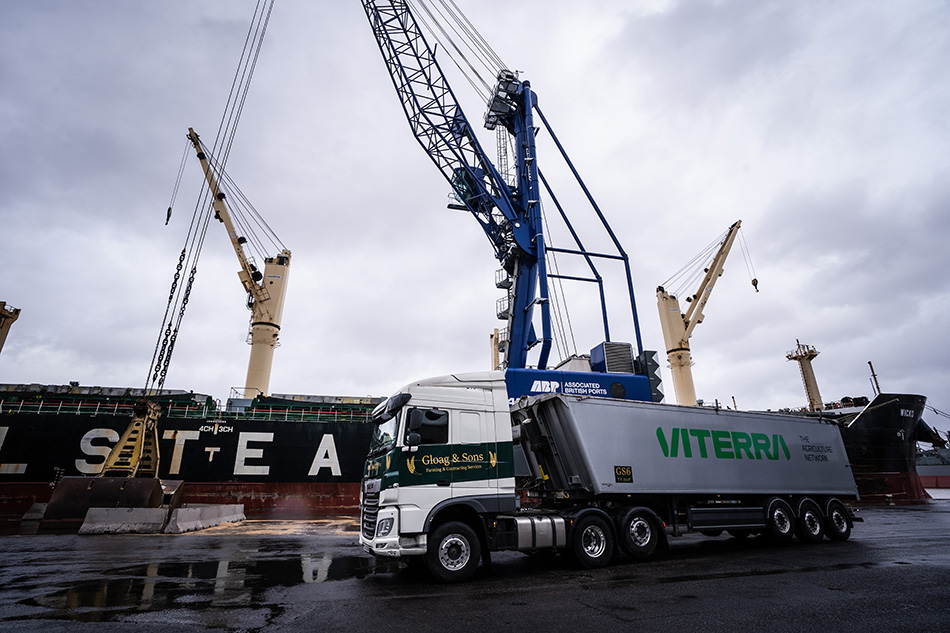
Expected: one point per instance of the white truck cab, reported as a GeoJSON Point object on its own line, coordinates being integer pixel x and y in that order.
{"type": "Point", "coordinates": [441, 452]}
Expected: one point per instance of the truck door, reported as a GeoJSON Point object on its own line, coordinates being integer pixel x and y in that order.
{"type": "Point", "coordinates": [423, 479]}
{"type": "Point", "coordinates": [474, 469]}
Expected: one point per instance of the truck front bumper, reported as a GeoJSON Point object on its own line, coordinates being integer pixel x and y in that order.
{"type": "Point", "coordinates": [388, 542]}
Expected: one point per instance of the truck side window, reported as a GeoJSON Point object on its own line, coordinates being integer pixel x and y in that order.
{"type": "Point", "coordinates": [432, 425]}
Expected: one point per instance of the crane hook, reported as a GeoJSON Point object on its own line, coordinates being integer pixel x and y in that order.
{"type": "Point", "coordinates": [755, 284]}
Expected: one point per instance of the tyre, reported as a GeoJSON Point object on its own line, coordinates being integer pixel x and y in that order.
{"type": "Point", "coordinates": [810, 524]}
{"type": "Point", "coordinates": [637, 533]}
{"type": "Point", "coordinates": [592, 542]}
{"type": "Point", "coordinates": [453, 552]}
{"type": "Point", "coordinates": [711, 533]}
{"type": "Point", "coordinates": [779, 521]}
{"type": "Point", "coordinates": [837, 521]}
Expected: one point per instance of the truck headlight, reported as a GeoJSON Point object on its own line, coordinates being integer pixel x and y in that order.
{"type": "Point", "coordinates": [384, 527]}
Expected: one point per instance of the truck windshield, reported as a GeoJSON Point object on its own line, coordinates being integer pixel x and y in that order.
{"type": "Point", "coordinates": [386, 418]}
{"type": "Point", "coordinates": [384, 436]}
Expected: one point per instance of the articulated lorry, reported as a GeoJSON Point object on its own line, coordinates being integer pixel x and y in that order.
{"type": "Point", "coordinates": [455, 472]}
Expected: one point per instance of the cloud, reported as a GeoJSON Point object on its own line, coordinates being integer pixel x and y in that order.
{"type": "Point", "coordinates": [822, 126]}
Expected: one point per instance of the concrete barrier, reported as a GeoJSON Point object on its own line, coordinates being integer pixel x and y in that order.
{"type": "Point", "coordinates": [124, 521]}
{"type": "Point", "coordinates": [157, 520]}
{"type": "Point", "coordinates": [198, 517]}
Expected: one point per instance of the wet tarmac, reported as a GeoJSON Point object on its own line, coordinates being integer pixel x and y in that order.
{"type": "Point", "coordinates": [893, 575]}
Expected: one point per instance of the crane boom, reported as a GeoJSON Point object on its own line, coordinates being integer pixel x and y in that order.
{"type": "Point", "coordinates": [265, 290]}
{"type": "Point", "coordinates": [678, 327]}
{"type": "Point", "coordinates": [510, 217]}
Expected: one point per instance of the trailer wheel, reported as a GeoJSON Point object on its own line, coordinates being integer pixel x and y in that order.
{"type": "Point", "coordinates": [637, 533]}
{"type": "Point", "coordinates": [809, 527]}
{"type": "Point", "coordinates": [592, 542]}
{"type": "Point", "coordinates": [780, 521]}
{"type": "Point", "coordinates": [453, 552]}
{"type": "Point", "coordinates": [837, 521]}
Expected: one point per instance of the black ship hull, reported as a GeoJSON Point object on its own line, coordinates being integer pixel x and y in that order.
{"type": "Point", "coordinates": [289, 459]}
{"type": "Point", "coordinates": [881, 441]}
{"type": "Point", "coordinates": [280, 458]}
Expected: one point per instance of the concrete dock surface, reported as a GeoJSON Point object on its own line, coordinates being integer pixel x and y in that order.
{"type": "Point", "coordinates": [893, 575]}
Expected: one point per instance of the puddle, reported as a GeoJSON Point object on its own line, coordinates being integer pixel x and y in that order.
{"type": "Point", "coordinates": [158, 586]}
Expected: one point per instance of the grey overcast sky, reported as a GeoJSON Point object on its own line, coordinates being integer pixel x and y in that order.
{"type": "Point", "coordinates": [822, 125]}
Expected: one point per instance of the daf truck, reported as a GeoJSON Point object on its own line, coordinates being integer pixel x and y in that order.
{"type": "Point", "coordinates": [457, 471]}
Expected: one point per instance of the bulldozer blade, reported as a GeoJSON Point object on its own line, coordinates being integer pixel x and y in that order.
{"type": "Point", "coordinates": [73, 496]}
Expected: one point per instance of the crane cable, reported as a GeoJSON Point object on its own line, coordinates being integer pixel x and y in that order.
{"type": "Point", "coordinates": [747, 257]}
{"type": "Point", "coordinates": [188, 259]}
{"type": "Point", "coordinates": [243, 212]}
{"type": "Point", "coordinates": [689, 275]}
{"type": "Point", "coordinates": [450, 18]}
{"type": "Point", "coordinates": [566, 344]}
{"type": "Point", "coordinates": [242, 79]}
{"type": "Point", "coordinates": [479, 44]}
{"type": "Point", "coordinates": [482, 51]}
{"type": "Point", "coordinates": [181, 171]}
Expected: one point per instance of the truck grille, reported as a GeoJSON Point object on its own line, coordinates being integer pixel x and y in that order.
{"type": "Point", "coordinates": [370, 508]}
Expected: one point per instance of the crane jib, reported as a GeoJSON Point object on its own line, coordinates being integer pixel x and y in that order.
{"type": "Point", "coordinates": [509, 214]}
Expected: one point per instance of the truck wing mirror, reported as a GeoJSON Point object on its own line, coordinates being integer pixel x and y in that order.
{"type": "Point", "coordinates": [413, 439]}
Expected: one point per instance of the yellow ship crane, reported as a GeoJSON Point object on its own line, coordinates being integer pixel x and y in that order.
{"type": "Point", "coordinates": [265, 290]}
{"type": "Point", "coordinates": [678, 327]}
{"type": "Point", "coordinates": [129, 478]}
{"type": "Point", "coordinates": [7, 317]}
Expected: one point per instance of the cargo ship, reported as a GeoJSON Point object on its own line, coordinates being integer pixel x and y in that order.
{"type": "Point", "coordinates": [282, 456]}
{"type": "Point", "coordinates": [880, 437]}
{"type": "Point", "coordinates": [933, 463]}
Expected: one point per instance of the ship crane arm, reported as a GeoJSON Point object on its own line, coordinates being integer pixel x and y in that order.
{"type": "Point", "coordinates": [678, 326]}
{"type": "Point", "coordinates": [265, 289]}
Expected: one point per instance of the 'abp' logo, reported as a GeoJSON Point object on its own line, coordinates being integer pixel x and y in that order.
{"type": "Point", "coordinates": [545, 386]}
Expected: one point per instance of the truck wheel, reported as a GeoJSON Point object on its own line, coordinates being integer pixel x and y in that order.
{"type": "Point", "coordinates": [809, 527]}
{"type": "Point", "coordinates": [779, 521]}
{"type": "Point", "coordinates": [453, 552]}
{"type": "Point", "coordinates": [638, 534]}
{"type": "Point", "coordinates": [837, 521]}
{"type": "Point", "coordinates": [592, 542]}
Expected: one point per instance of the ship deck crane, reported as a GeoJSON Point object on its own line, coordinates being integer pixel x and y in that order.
{"type": "Point", "coordinates": [129, 475]}
{"type": "Point", "coordinates": [510, 214]}
{"type": "Point", "coordinates": [265, 290]}
{"type": "Point", "coordinates": [7, 317]}
{"type": "Point", "coordinates": [678, 327]}
{"type": "Point", "coordinates": [804, 355]}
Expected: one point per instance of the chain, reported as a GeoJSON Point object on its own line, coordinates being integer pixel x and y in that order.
{"type": "Point", "coordinates": [174, 334]}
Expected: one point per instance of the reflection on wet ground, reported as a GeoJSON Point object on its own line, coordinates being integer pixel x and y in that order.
{"type": "Point", "coordinates": [157, 586]}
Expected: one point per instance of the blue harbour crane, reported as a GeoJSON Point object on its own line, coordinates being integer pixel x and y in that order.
{"type": "Point", "coordinates": [508, 209]}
